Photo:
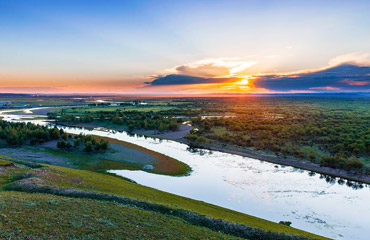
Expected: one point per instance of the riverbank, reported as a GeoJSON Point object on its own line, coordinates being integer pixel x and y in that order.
{"type": "Point", "coordinates": [182, 132]}
{"type": "Point", "coordinates": [353, 176]}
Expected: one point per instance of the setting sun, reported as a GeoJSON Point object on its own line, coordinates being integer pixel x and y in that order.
{"type": "Point", "coordinates": [244, 82]}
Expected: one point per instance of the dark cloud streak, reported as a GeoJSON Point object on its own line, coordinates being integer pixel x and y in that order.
{"type": "Point", "coordinates": [344, 77]}
{"type": "Point", "coordinates": [175, 79]}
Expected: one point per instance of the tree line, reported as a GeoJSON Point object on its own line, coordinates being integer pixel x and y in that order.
{"type": "Point", "coordinates": [20, 133]}
{"type": "Point", "coordinates": [130, 119]}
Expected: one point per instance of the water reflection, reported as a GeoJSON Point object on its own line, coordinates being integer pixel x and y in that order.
{"type": "Point", "coordinates": [354, 185]}
{"type": "Point", "coordinates": [199, 151]}
{"type": "Point", "coordinates": [327, 178]}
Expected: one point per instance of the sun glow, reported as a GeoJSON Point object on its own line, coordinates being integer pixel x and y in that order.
{"type": "Point", "coordinates": [243, 82]}
{"type": "Point", "coordinates": [240, 86]}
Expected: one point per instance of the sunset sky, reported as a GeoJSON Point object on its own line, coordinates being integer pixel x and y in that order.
{"type": "Point", "coordinates": [184, 47]}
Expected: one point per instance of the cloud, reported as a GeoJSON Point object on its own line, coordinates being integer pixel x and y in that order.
{"type": "Point", "coordinates": [213, 67]}
{"type": "Point", "coordinates": [359, 59]}
{"type": "Point", "coordinates": [326, 88]}
{"type": "Point", "coordinates": [349, 72]}
{"type": "Point", "coordinates": [212, 70]}
{"type": "Point", "coordinates": [175, 79]}
{"type": "Point", "coordinates": [347, 77]}
{"type": "Point", "coordinates": [207, 70]}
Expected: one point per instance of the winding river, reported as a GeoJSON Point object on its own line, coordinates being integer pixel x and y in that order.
{"type": "Point", "coordinates": [326, 206]}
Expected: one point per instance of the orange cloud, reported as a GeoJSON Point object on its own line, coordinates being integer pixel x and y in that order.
{"type": "Point", "coordinates": [213, 67]}
{"type": "Point", "coordinates": [326, 88]}
{"type": "Point", "coordinates": [356, 83]}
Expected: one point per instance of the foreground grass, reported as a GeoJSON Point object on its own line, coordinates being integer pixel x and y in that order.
{"type": "Point", "coordinates": [71, 218]}
{"type": "Point", "coordinates": [4, 163]}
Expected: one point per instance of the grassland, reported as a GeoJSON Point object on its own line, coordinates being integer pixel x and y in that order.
{"type": "Point", "coordinates": [61, 216]}
{"type": "Point", "coordinates": [4, 163]}
{"type": "Point", "coordinates": [88, 219]}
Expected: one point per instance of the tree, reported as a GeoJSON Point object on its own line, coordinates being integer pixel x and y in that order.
{"type": "Point", "coordinates": [12, 138]}
{"type": "Point", "coordinates": [131, 127]}
{"type": "Point", "coordinates": [65, 136]}
{"type": "Point", "coordinates": [61, 144]}
{"type": "Point", "coordinates": [354, 163]}
{"type": "Point", "coordinates": [55, 134]}
{"type": "Point", "coordinates": [77, 142]}
{"type": "Point", "coordinates": [96, 146]}
{"type": "Point", "coordinates": [286, 223]}
{"type": "Point", "coordinates": [104, 145]}
{"type": "Point", "coordinates": [312, 156]}
{"type": "Point", "coordinates": [68, 145]}
{"type": "Point", "coordinates": [328, 161]}
{"type": "Point", "coordinates": [88, 147]}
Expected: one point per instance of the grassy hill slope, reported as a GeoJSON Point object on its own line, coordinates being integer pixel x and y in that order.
{"type": "Point", "coordinates": [89, 206]}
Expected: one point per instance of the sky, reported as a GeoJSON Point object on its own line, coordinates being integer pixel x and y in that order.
{"type": "Point", "coordinates": [184, 47]}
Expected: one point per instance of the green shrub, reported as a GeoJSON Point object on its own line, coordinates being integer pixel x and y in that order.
{"type": "Point", "coordinates": [354, 163]}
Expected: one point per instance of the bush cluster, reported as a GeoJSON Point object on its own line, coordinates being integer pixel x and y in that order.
{"type": "Point", "coordinates": [90, 144]}
{"type": "Point", "coordinates": [18, 133]}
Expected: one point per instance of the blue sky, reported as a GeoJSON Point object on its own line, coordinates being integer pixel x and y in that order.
{"type": "Point", "coordinates": [119, 45]}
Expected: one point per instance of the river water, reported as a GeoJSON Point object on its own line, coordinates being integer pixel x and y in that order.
{"type": "Point", "coordinates": [330, 207]}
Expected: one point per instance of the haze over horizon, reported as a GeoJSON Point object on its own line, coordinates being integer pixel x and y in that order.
{"type": "Point", "coordinates": [176, 47]}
